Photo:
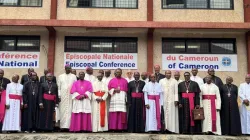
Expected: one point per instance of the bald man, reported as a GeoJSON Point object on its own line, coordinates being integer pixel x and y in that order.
{"type": "Point", "coordinates": [3, 84]}
{"type": "Point", "coordinates": [43, 78]}
{"type": "Point", "coordinates": [215, 79]}
{"type": "Point", "coordinates": [89, 75]}
{"type": "Point", "coordinates": [244, 95]}
{"type": "Point", "coordinates": [170, 99]}
{"type": "Point", "coordinates": [177, 77]}
{"type": "Point", "coordinates": [25, 78]}
{"type": "Point", "coordinates": [158, 75]}
{"type": "Point", "coordinates": [153, 95]}
{"type": "Point", "coordinates": [230, 124]}
{"type": "Point", "coordinates": [135, 99]}
{"type": "Point", "coordinates": [196, 78]}
{"type": "Point", "coordinates": [144, 77]}
{"type": "Point", "coordinates": [107, 77]}
{"type": "Point", "coordinates": [14, 104]}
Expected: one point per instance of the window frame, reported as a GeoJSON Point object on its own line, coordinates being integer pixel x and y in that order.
{"type": "Point", "coordinates": [210, 40]}
{"type": "Point", "coordinates": [113, 39]}
{"type": "Point", "coordinates": [18, 5]}
{"type": "Point", "coordinates": [114, 7]}
{"type": "Point", "coordinates": [208, 6]}
{"type": "Point", "coordinates": [16, 38]}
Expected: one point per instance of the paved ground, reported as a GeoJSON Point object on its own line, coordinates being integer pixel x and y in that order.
{"type": "Point", "coordinates": [112, 136]}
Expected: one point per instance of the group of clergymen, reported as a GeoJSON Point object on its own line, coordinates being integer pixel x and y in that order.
{"type": "Point", "coordinates": [157, 103]}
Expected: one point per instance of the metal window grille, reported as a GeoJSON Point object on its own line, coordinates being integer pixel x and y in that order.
{"type": "Point", "coordinates": [27, 3]}
{"type": "Point", "coordinates": [19, 43]}
{"type": "Point", "coordinates": [199, 46]}
{"type": "Point", "coordinates": [197, 4]}
{"type": "Point", "coordinates": [103, 3]}
{"type": "Point", "coordinates": [100, 44]}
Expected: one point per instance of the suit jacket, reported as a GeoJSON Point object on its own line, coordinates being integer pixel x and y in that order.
{"type": "Point", "coordinates": [159, 76]}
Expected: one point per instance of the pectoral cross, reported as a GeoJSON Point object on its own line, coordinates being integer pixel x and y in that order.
{"type": "Point", "coordinates": [228, 94]}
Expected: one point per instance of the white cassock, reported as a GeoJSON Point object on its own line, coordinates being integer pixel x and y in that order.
{"type": "Point", "coordinates": [210, 89]}
{"type": "Point", "coordinates": [90, 78]}
{"type": "Point", "coordinates": [152, 89]}
{"type": "Point", "coordinates": [198, 80]}
{"type": "Point", "coordinates": [65, 82]}
{"type": "Point", "coordinates": [146, 81]}
{"type": "Point", "coordinates": [170, 95]}
{"type": "Point", "coordinates": [96, 120]}
{"type": "Point", "coordinates": [179, 81]}
{"type": "Point", "coordinates": [131, 79]}
{"type": "Point", "coordinates": [244, 93]}
{"type": "Point", "coordinates": [12, 120]}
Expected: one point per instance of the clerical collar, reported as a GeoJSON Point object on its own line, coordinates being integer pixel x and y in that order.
{"type": "Point", "coordinates": [186, 81]}
{"type": "Point", "coordinates": [49, 82]}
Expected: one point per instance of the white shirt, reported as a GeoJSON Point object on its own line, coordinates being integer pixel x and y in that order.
{"type": "Point", "coordinates": [197, 79]}
{"type": "Point", "coordinates": [131, 79]}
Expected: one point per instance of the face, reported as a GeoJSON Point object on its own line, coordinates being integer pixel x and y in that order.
{"type": "Point", "coordinates": [229, 80]}
{"type": "Point", "coordinates": [211, 72]}
{"type": "Point", "coordinates": [152, 77]}
{"type": "Point", "coordinates": [67, 69]}
{"type": "Point", "coordinates": [15, 78]}
{"type": "Point", "coordinates": [177, 76]}
{"type": "Point", "coordinates": [129, 74]}
{"type": "Point", "coordinates": [81, 75]}
{"type": "Point", "coordinates": [209, 79]}
{"type": "Point", "coordinates": [118, 73]}
{"type": "Point", "coordinates": [100, 76]}
{"type": "Point", "coordinates": [49, 77]}
{"type": "Point", "coordinates": [144, 76]}
{"type": "Point", "coordinates": [194, 72]}
{"type": "Point", "coordinates": [168, 74]}
{"type": "Point", "coordinates": [89, 71]}
{"type": "Point", "coordinates": [157, 69]}
{"type": "Point", "coordinates": [46, 71]}
{"type": "Point", "coordinates": [101, 71]}
{"type": "Point", "coordinates": [33, 76]}
{"type": "Point", "coordinates": [30, 71]}
{"type": "Point", "coordinates": [187, 76]}
{"type": "Point", "coordinates": [1, 74]}
{"type": "Point", "coordinates": [137, 75]}
{"type": "Point", "coordinates": [107, 73]}
{"type": "Point", "coordinates": [247, 79]}
{"type": "Point", "coordinates": [73, 71]}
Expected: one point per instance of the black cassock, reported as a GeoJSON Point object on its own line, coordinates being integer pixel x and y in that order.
{"type": "Point", "coordinates": [230, 116]}
{"type": "Point", "coordinates": [43, 79]}
{"type": "Point", "coordinates": [184, 114]}
{"type": "Point", "coordinates": [136, 117]}
{"type": "Point", "coordinates": [3, 84]}
{"type": "Point", "coordinates": [46, 114]}
{"type": "Point", "coordinates": [30, 114]}
{"type": "Point", "coordinates": [25, 78]}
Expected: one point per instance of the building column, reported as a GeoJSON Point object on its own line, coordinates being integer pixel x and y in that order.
{"type": "Point", "coordinates": [246, 4]}
{"type": "Point", "coordinates": [150, 38]}
{"type": "Point", "coordinates": [52, 37]}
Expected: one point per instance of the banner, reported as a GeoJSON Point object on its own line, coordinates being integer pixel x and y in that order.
{"type": "Point", "coordinates": [19, 59]}
{"type": "Point", "coordinates": [101, 60]}
{"type": "Point", "coordinates": [200, 61]}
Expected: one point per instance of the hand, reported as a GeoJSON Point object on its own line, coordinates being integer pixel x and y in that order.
{"type": "Point", "coordinates": [41, 106]}
{"type": "Point", "coordinates": [176, 103]}
{"type": "Point", "coordinates": [25, 106]}
{"type": "Point", "coordinates": [147, 106]}
{"type": "Point", "coordinates": [59, 100]}
{"type": "Point", "coordinates": [217, 110]}
{"type": "Point", "coordinates": [21, 106]}
{"type": "Point", "coordinates": [246, 102]}
{"type": "Point", "coordinates": [98, 100]}
{"type": "Point", "coordinates": [197, 106]}
{"type": "Point", "coordinates": [57, 105]}
{"type": "Point", "coordinates": [180, 105]}
{"type": "Point", "coordinates": [7, 106]}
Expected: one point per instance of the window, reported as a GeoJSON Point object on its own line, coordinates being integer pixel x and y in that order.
{"type": "Point", "coordinates": [21, 3]}
{"type": "Point", "coordinates": [199, 46]}
{"type": "Point", "coordinates": [101, 44]}
{"type": "Point", "coordinates": [20, 43]}
{"type": "Point", "coordinates": [197, 4]}
{"type": "Point", "coordinates": [103, 3]}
